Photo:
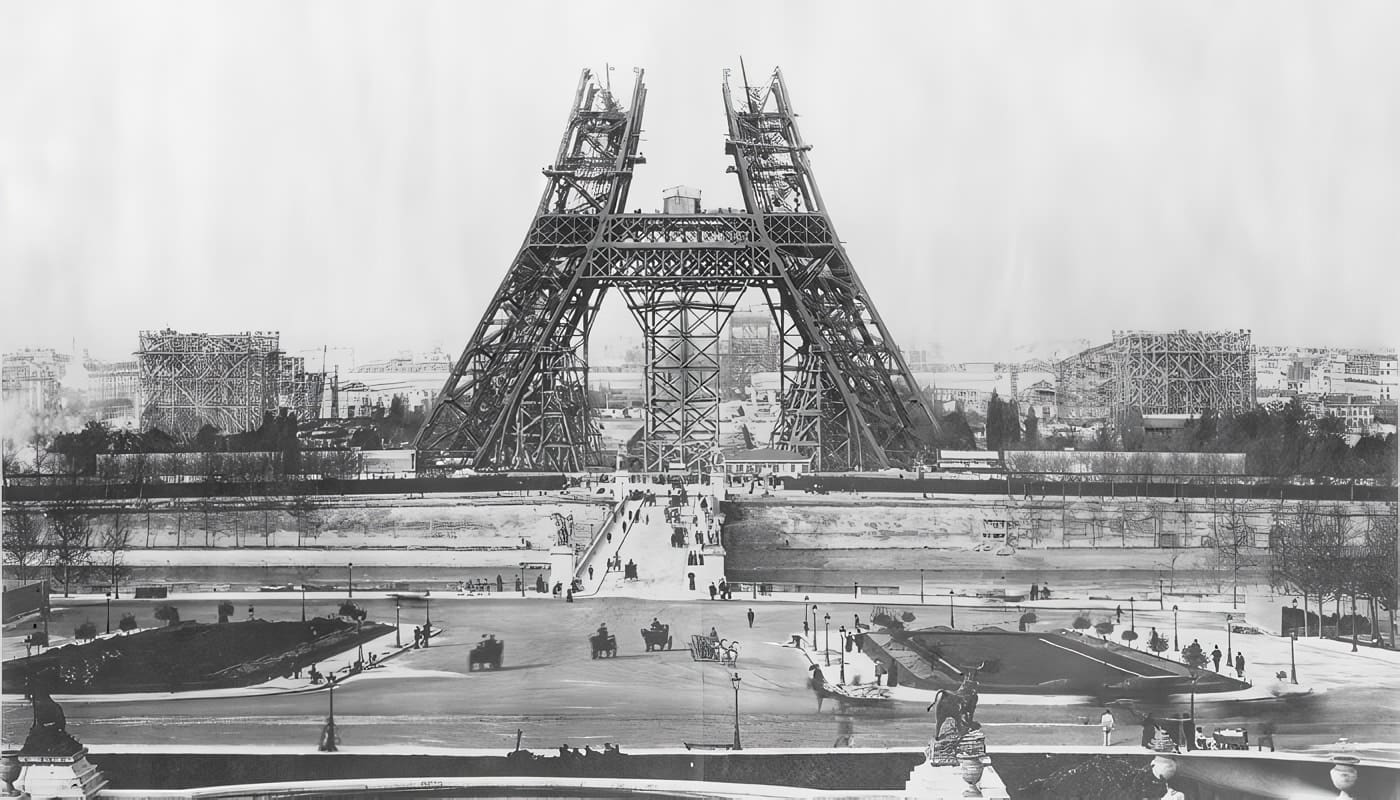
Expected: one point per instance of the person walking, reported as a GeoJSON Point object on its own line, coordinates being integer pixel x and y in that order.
{"type": "Point", "coordinates": [1239, 665]}
{"type": "Point", "coordinates": [1215, 655]}
{"type": "Point", "coordinates": [750, 615]}
{"type": "Point", "coordinates": [590, 572]}
{"type": "Point", "coordinates": [1106, 722]}
{"type": "Point", "coordinates": [713, 590]}
{"type": "Point", "coordinates": [1119, 612]}
{"type": "Point", "coordinates": [1035, 591]}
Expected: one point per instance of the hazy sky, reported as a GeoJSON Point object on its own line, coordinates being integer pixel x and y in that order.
{"type": "Point", "coordinates": [361, 174]}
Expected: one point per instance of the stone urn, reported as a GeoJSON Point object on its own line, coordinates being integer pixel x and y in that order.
{"type": "Point", "coordinates": [9, 770]}
{"type": "Point", "coordinates": [1344, 774]}
{"type": "Point", "coordinates": [970, 769]}
{"type": "Point", "coordinates": [1163, 768]}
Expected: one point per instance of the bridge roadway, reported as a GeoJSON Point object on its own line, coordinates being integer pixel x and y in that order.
{"type": "Point", "coordinates": [551, 690]}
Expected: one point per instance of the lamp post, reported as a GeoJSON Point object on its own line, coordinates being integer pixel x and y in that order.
{"type": "Point", "coordinates": [843, 653]}
{"type": "Point", "coordinates": [1229, 650]}
{"type": "Point", "coordinates": [1353, 623]}
{"type": "Point", "coordinates": [1176, 639]}
{"type": "Point", "coordinates": [398, 632]}
{"type": "Point", "coordinates": [1292, 662]}
{"type": "Point", "coordinates": [522, 579]}
{"type": "Point", "coordinates": [921, 587]}
{"type": "Point", "coordinates": [1194, 678]}
{"type": "Point", "coordinates": [328, 736]}
{"type": "Point", "coordinates": [827, 641]}
{"type": "Point", "coordinates": [109, 612]}
{"type": "Point", "coordinates": [734, 679]}
{"type": "Point", "coordinates": [1161, 594]}
{"type": "Point", "coordinates": [350, 577]}
{"type": "Point", "coordinates": [950, 609]}
{"type": "Point", "coordinates": [303, 602]}
{"type": "Point", "coordinates": [814, 626]}
{"type": "Point", "coordinates": [427, 618]}
{"type": "Point", "coordinates": [1132, 614]}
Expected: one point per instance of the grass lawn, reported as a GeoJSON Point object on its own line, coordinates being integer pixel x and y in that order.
{"type": "Point", "coordinates": [187, 656]}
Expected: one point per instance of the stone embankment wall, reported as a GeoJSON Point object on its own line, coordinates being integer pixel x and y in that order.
{"type": "Point", "coordinates": [479, 522]}
{"type": "Point", "coordinates": [795, 521]}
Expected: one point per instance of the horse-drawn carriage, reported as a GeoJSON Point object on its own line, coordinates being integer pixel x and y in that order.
{"type": "Point", "coordinates": [487, 653]}
{"type": "Point", "coordinates": [603, 644]}
{"type": "Point", "coordinates": [657, 638]}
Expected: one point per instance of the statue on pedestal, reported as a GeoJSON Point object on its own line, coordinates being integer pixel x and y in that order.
{"type": "Point", "coordinates": [48, 735]}
{"type": "Point", "coordinates": [953, 721]}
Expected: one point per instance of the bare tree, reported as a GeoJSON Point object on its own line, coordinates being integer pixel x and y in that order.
{"type": "Point", "coordinates": [1234, 544]}
{"type": "Point", "coordinates": [70, 543]}
{"type": "Point", "coordinates": [113, 545]}
{"type": "Point", "coordinates": [24, 542]}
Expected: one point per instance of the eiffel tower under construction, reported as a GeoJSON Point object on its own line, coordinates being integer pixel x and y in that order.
{"type": "Point", "coordinates": [517, 397]}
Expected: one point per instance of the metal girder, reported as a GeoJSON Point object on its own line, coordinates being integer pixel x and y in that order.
{"type": "Point", "coordinates": [883, 418]}
{"type": "Point", "coordinates": [517, 397]}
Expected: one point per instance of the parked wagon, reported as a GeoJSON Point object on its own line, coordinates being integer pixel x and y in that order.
{"type": "Point", "coordinates": [713, 648]}
{"type": "Point", "coordinates": [486, 654]}
{"type": "Point", "coordinates": [657, 638]}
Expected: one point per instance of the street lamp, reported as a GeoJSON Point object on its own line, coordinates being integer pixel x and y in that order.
{"type": "Point", "coordinates": [109, 612]}
{"type": "Point", "coordinates": [303, 602]}
{"type": "Point", "coordinates": [1353, 623]}
{"type": "Point", "coordinates": [1176, 639]}
{"type": "Point", "coordinates": [814, 626]}
{"type": "Point", "coordinates": [843, 653]}
{"type": "Point", "coordinates": [1292, 661]}
{"type": "Point", "coordinates": [827, 646]}
{"type": "Point", "coordinates": [1194, 678]}
{"type": "Point", "coordinates": [328, 735]}
{"type": "Point", "coordinates": [921, 587]}
{"type": "Point", "coordinates": [734, 679]}
{"type": "Point", "coordinates": [350, 577]}
{"type": "Point", "coordinates": [950, 609]}
{"type": "Point", "coordinates": [1132, 614]}
{"type": "Point", "coordinates": [1229, 650]}
{"type": "Point", "coordinates": [1161, 593]}
{"type": "Point", "coordinates": [427, 618]}
{"type": "Point", "coordinates": [398, 632]}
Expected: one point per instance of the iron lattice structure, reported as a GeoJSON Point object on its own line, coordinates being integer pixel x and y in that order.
{"type": "Point", "coordinates": [192, 379]}
{"type": "Point", "coordinates": [517, 399]}
{"type": "Point", "coordinates": [1182, 372]}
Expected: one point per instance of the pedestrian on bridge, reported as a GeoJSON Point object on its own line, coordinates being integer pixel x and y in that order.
{"type": "Point", "coordinates": [1239, 665]}
{"type": "Point", "coordinates": [1215, 656]}
{"type": "Point", "coordinates": [750, 618]}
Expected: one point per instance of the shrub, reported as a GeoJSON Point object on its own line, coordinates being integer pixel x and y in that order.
{"type": "Point", "coordinates": [1081, 622]}
{"type": "Point", "coordinates": [225, 610]}
{"type": "Point", "coordinates": [1104, 628]}
{"type": "Point", "coordinates": [85, 632]}
{"type": "Point", "coordinates": [168, 614]}
{"type": "Point", "coordinates": [349, 609]}
{"type": "Point", "coordinates": [1129, 636]}
{"type": "Point", "coordinates": [907, 616]}
{"type": "Point", "coordinates": [128, 623]}
{"type": "Point", "coordinates": [1158, 643]}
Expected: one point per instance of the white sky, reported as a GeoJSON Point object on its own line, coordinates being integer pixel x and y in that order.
{"type": "Point", "coordinates": [361, 174]}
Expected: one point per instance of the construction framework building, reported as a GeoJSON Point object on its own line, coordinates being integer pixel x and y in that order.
{"type": "Point", "coordinates": [1182, 372]}
{"type": "Point", "coordinates": [1084, 386]}
{"type": "Point", "coordinates": [229, 381]}
{"type": "Point", "coordinates": [517, 397]}
{"type": "Point", "coordinates": [750, 346]}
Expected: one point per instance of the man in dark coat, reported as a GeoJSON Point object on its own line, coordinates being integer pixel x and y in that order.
{"type": "Point", "coordinates": [1215, 656]}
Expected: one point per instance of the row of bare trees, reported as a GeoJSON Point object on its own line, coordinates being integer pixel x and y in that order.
{"type": "Point", "coordinates": [63, 542]}
{"type": "Point", "coordinates": [1328, 554]}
